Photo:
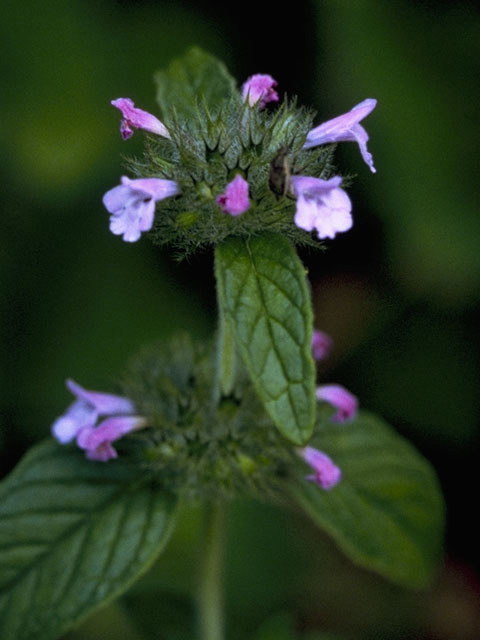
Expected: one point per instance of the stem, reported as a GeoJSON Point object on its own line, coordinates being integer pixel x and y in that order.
{"type": "Point", "coordinates": [226, 356]}
{"type": "Point", "coordinates": [210, 584]}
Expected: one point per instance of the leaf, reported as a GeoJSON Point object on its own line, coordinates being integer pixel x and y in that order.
{"type": "Point", "coordinates": [195, 77]}
{"type": "Point", "coordinates": [387, 512]}
{"type": "Point", "coordinates": [263, 293]}
{"type": "Point", "coordinates": [73, 535]}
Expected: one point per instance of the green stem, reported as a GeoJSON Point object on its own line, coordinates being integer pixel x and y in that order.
{"type": "Point", "coordinates": [226, 356]}
{"type": "Point", "coordinates": [210, 586]}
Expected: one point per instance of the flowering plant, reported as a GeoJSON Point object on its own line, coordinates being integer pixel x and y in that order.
{"type": "Point", "coordinates": [252, 177]}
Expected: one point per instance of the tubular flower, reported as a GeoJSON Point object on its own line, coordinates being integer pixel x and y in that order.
{"type": "Point", "coordinates": [345, 128]}
{"type": "Point", "coordinates": [134, 118]}
{"type": "Point", "coordinates": [79, 421]}
{"type": "Point", "coordinates": [234, 200]}
{"type": "Point", "coordinates": [322, 205]}
{"type": "Point", "coordinates": [325, 472]}
{"type": "Point", "coordinates": [344, 401]}
{"type": "Point", "coordinates": [132, 204]}
{"type": "Point", "coordinates": [260, 88]}
{"type": "Point", "coordinates": [97, 441]}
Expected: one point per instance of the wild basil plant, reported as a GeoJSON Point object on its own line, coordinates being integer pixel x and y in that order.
{"type": "Point", "coordinates": [85, 513]}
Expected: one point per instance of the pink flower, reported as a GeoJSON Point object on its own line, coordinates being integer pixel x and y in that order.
{"type": "Point", "coordinates": [97, 440]}
{"type": "Point", "coordinates": [260, 88]}
{"type": "Point", "coordinates": [234, 200]}
{"type": "Point", "coordinates": [345, 128]}
{"type": "Point", "coordinates": [137, 119]}
{"type": "Point", "coordinates": [322, 205]}
{"type": "Point", "coordinates": [132, 205]}
{"type": "Point", "coordinates": [325, 472]}
{"type": "Point", "coordinates": [341, 399]}
{"type": "Point", "coordinates": [87, 408]}
{"type": "Point", "coordinates": [79, 421]}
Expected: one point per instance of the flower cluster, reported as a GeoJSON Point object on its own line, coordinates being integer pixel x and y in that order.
{"type": "Point", "coordinates": [321, 204]}
{"type": "Point", "coordinates": [80, 422]}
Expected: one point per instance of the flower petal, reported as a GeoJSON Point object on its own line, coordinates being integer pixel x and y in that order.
{"type": "Point", "coordinates": [322, 204]}
{"type": "Point", "coordinates": [138, 119]}
{"type": "Point", "coordinates": [345, 128]}
{"type": "Point", "coordinates": [157, 188]}
{"type": "Point", "coordinates": [306, 213]}
{"type": "Point", "coordinates": [326, 473]}
{"type": "Point", "coordinates": [78, 416]}
{"type": "Point", "coordinates": [234, 200]}
{"type": "Point", "coordinates": [103, 403]}
{"type": "Point", "coordinates": [102, 453]}
{"type": "Point", "coordinates": [132, 204]}
{"type": "Point", "coordinates": [260, 88]}
{"type": "Point", "coordinates": [341, 399]}
{"type": "Point", "coordinates": [95, 438]}
{"type": "Point", "coordinates": [338, 128]}
{"type": "Point", "coordinates": [115, 199]}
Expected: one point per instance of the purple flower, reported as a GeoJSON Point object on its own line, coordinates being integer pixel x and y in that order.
{"type": "Point", "coordinates": [97, 440]}
{"type": "Point", "coordinates": [325, 472]}
{"type": "Point", "coordinates": [234, 200]}
{"type": "Point", "coordinates": [322, 205]}
{"type": "Point", "coordinates": [345, 128]}
{"type": "Point", "coordinates": [260, 88]}
{"type": "Point", "coordinates": [321, 345]}
{"type": "Point", "coordinates": [138, 119]}
{"type": "Point", "coordinates": [87, 408]}
{"type": "Point", "coordinates": [81, 417]}
{"type": "Point", "coordinates": [132, 205]}
{"type": "Point", "coordinates": [344, 401]}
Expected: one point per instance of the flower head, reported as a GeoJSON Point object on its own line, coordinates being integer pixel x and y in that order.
{"type": "Point", "coordinates": [260, 88]}
{"type": "Point", "coordinates": [321, 345]}
{"type": "Point", "coordinates": [97, 441]}
{"type": "Point", "coordinates": [345, 128]}
{"type": "Point", "coordinates": [137, 119]}
{"type": "Point", "coordinates": [132, 205]}
{"type": "Point", "coordinates": [234, 200]}
{"type": "Point", "coordinates": [325, 472]}
{"type": "Point", "coordinates": [344, 401]}
{"type": "Point", "coordinates": [322, 205]}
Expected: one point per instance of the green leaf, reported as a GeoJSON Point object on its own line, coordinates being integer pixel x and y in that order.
{"type": "Point", "coordinates": [188, 80]}
{"type": "Point", "coordinates": [73, 535]}
{"type": "Point", "coordinates": [263, 293]}
{"type": "Point", "coordinates": [387, 513]}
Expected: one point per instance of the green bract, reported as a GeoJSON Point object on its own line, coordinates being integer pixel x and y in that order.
{"type": "Point", "coordinates": [215, 136]}
{"type": "Point", "coordinates": [203, 445]}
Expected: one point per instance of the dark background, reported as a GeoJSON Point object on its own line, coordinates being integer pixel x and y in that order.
{"type": "Point", "coordinates": [399, 293]}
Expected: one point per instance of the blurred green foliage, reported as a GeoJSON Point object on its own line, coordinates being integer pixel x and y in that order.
{"type": "Point", "coordinates": [399, 294]}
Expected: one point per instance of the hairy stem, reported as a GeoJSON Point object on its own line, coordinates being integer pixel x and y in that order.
{"type": "Point", "coordinates": [210, 603]}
